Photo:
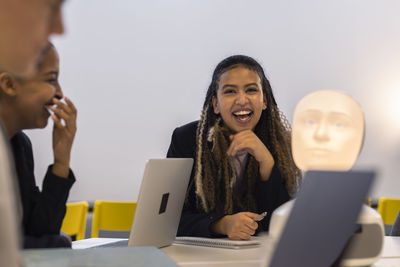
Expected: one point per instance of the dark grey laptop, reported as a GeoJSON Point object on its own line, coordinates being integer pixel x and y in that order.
{"type": "Point", "coordinates": [323, 218]}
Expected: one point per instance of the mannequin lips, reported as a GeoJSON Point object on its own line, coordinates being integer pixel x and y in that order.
{"type": "Point", "coordinates": [320, 151]}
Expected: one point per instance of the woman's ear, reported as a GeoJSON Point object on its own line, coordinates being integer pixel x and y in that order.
{"type": "Point", "coordinates": [8, 84]}
{"type": "Point", "coordinates": [215, 105]}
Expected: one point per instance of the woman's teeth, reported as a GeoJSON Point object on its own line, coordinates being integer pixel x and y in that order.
{"type": "Point", "coordinates": [243, 115]}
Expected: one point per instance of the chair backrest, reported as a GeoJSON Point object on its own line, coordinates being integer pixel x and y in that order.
{"type": "Point", "coordinates": [74, 223]}
{"type": "Point", "coordinates": [388, 208]}
{"type": "Point", "coordinates": [112, 216]}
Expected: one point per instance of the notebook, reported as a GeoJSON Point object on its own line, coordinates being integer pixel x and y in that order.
{"type": "Point", "coordinates": [323, 218]}
{"type": "Point", "coordinates": [216, 242]}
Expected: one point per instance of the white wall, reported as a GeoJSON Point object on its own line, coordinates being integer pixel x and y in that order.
{"type": "Point", "coordinates": [138, 69]}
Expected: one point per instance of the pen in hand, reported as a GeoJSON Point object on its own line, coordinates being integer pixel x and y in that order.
{"type": "Point", "coordinates": [260, 217]}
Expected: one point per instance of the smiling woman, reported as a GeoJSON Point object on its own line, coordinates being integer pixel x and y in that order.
{"type": "Point", "coordinates": [25, 104]}
{"type": "Point", "coordinates": [241, 146]}
{"type": "Point", "coordinates": [31, 98]}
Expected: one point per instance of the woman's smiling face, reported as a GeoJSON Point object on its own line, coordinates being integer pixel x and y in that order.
{"type": "Point", "coordinates": [35, 95]}
{"type": "Point", "coordinates": [240, 99]}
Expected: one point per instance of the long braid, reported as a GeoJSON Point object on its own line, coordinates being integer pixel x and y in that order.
{"type": "Point", "coordinates": [218, 173]}
{"type": "Point", "coordinates": [228, 176]}
{"type": "Point", "coordinates": [275, 132]}
{"type": "Point", "coordinates": [199, 158]}
{"type": "Point", "coordinates": [280, 134]}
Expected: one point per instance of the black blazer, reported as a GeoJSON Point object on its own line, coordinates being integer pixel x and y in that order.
{"type": "Point", "coordinates": [43, 212]}
{"type": "Point", "coordinates": [194, 222]}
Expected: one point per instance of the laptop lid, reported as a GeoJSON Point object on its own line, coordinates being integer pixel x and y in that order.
{"type": "Point", "coordinates": [323, 218]}
{"type": "Point", "coordinates": [161, 198]}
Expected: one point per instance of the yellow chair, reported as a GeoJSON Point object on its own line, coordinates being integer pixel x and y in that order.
{"type": "Point", "coordinates": [112, 216]}
{"type": "Point", "coordinates": [388, 208]}
{"type": "Point", "coordinates": [74, 223]}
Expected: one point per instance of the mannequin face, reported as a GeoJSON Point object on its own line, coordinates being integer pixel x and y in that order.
{"type": "Point", "coordinates": [328, 130]}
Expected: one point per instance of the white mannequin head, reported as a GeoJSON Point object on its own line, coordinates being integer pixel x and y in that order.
{"type": "Point", "coordinates": [328, 131]}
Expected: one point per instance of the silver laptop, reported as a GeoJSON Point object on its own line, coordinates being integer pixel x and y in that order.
{"type": "Point", "coordinates": [161, 198]}
{"type": "Point", "coordinates": [159, 206]}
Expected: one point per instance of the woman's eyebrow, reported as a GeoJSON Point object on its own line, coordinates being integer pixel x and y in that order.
{"type": "Point", "coordinates": [229, 85]}
{"type": "Point", "coordinates": [51, 72]}
{"type": "Point", "coordinates": [251, 84]}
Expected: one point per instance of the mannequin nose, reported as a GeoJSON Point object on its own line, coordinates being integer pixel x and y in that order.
{"type": "Point", "coordinates": [322, 132]}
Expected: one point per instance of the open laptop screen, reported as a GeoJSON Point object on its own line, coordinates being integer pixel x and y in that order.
{"type": "Point", "coordinates": [161, 198]}
{"type": "Point", "coordinates": [323, 218]}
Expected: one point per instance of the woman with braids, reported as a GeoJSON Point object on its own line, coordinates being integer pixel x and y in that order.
{"type": "Point", "coordinates": [241, 150]}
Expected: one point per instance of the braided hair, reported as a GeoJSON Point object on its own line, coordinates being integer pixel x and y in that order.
{"type": "Point", "coordinates": [214, 172]}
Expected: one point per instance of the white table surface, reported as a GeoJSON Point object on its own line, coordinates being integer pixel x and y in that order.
{"type": "Point", "coordinates": [185, 255]}
{"type": "Point", "coordinates": [391, 247]}
{"type": "Point", "coordinates": [204, 256]}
